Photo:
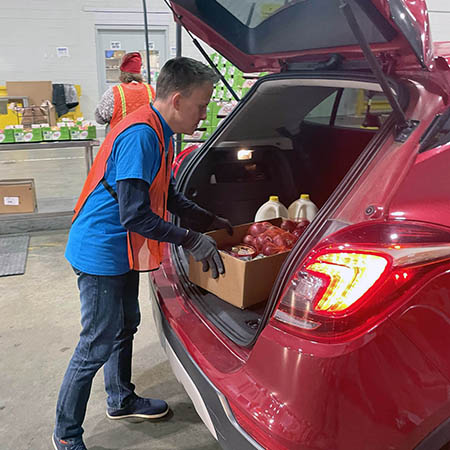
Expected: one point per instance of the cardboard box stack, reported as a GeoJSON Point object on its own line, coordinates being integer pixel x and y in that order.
{"type": "Point", "coordinates": [38, 123]}
{"type": "Point", "coordinates": [63, 131]}
{"type": "Point", "coordinates": [34, 115]}
{"type": "Point", "coordinates": [39, 94]}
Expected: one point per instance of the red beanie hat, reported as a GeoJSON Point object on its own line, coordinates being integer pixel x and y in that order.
{"type": "Point", "coordinates": [131, 63]}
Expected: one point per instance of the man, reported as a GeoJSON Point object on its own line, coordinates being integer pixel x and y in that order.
{"type": "Point", "coordinates": [120, 100]}
{"type": "Point", "coordinates": [117, 230]}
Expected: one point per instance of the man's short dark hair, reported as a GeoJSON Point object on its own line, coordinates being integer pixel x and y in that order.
{"type": "Point", "coordinates": [181, 75]}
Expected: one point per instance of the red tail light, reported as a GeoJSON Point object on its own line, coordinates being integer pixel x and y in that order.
{"type": "Point", "coordinates": [355, 278]}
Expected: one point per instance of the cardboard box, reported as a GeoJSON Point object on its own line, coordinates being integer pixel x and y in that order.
{"type": "Point", "coordinates": [82, 132]}
{"type": "Point", "coordinates": [6, 136]}
{"type": "Point", "coordinates": [28, 135]}
{"type": "Point", "coordinates": [38, 92]}
{"type": "Point", "coordinates": [17, 196]}
{"type": "Point", "coordinates": [244, 283]}
{"type": "Point", "coordinates": [56, 133]}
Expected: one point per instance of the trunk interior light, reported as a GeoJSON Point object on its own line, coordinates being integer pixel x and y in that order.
{"type": "Point", "coordinates": [244, 154]}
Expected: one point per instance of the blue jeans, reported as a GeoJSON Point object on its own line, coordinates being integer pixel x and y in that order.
{"type": "Point", "coordinates": [109, 318]}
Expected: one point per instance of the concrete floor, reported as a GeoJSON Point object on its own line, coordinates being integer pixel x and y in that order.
{"type": "Point", "coordinates": [39, 327]}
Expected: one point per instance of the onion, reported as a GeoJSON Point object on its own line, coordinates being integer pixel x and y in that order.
{"type": "Point", "coordinates": [249, 240]}
{"type": "Point", "coordinates": [302, 224]}
{"type": "Point", "coordinates": [256, 229]}
{"type": "Point", "coordinates": [271, 249]}
{"type": "Point", "coordinates": [288, 225]}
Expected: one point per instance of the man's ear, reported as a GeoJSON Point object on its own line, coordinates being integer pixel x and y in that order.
{"type": "Point", "coordinates": [176, 101]}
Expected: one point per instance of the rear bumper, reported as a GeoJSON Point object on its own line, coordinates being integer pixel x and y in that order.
{"type": "Point", "coordinates": [209, 402]}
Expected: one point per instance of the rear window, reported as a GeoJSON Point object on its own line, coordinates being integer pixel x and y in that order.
{"type": "Point", "coordinates": [261, 27]}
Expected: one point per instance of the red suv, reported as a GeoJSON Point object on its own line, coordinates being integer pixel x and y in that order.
{"type": "Point", "coordinates": [351, 351]}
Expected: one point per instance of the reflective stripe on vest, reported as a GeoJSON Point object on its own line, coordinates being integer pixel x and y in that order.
{"type": "Point", "coordinates": [122, 101]}
{"type": "Point", "coordinates": [143, 254]}
{"type": "Point", "coordinates": [127, 98]}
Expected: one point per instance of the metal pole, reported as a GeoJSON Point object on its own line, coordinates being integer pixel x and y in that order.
{"type": "Point", "coordinates": [178, 41]}
{"type": "Point", "coordinates": [149, 78]}
{"type": "Point", "coordinates": [178, 54]}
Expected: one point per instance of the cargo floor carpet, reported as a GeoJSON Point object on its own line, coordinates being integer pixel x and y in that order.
{"type": "Point", "coordinates": [13, 254]}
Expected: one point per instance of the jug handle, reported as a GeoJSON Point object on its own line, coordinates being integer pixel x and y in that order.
{"type": "Point", "coordinates": [302, 212]}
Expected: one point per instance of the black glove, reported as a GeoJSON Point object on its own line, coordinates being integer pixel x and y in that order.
{"type": "Point", "coordinates": [220, 222]}
{"type": "Point", "coordinates": [204, 248]}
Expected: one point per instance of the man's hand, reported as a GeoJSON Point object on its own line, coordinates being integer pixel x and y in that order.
{"type": "Point", "coordinates": [220, 222]}
{"type": "Point", "coordinates": [204, 248]}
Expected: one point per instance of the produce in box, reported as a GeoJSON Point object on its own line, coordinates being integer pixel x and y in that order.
{"type": "Point", "coordinates": [265, 239]}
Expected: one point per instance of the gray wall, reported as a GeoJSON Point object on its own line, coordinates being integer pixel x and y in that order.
{"type": "Point", "coordinates": [30, 31]}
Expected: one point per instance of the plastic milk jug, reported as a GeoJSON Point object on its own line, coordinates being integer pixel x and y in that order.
{"type": "Point", "coordinates": [271, 210]}
{"type": "Point", "coordinates": [303, 208]}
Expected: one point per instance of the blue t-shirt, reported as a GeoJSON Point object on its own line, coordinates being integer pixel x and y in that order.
{"type": "Point", "coordinates": [97, 241]}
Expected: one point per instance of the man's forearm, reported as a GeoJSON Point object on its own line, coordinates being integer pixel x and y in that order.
{"type": "Point", "coordinates": [136, 214]}
{"type": "Point", "coordinates": [182, 207]}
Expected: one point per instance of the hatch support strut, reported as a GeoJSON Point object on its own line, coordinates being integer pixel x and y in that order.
{"type": "Point", "coordinates": [202, 51]}
{"type": "Point", "coordinates": [404, 126]}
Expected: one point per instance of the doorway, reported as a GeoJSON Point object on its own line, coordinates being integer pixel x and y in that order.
{"type": "Point", "coordinates": [113, 43]}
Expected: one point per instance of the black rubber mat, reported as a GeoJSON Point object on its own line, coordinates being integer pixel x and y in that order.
{"type": "Point", "coordinates": [13, 254]}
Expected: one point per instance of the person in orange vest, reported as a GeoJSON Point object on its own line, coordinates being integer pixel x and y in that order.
{"type": "Point", "coordinates": [118, 230]}
{"type": "Point", "coordinates": [126, 97]}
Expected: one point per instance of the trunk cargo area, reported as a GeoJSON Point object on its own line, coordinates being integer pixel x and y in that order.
{"type": "Point", "coordinates": [304, 135]}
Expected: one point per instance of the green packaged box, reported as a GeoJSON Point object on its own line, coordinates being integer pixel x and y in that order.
{"type": "Point", "coordinates": [238, 80]}
{"type": "Point", "coordinates": [55, 133]}
{"type": "Point", "coordinates": [209, 131]}
{"type": "Point", "coordinates": [7, 136]}
{"type": "Point", "coordinates": [28, 135]}
{"type": "Point", "coordinates": [78, 133]}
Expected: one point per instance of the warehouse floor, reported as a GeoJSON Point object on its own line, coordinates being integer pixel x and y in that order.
{"type": "Point", "coordinates": [39, 327]}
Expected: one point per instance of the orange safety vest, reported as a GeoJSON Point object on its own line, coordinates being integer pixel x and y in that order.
{"type": "Point", "coordinates": [143, 254]}
{"type": "Point", "coordinates": [128, 97]}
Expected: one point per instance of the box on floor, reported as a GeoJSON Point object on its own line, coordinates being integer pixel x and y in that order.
{"type": "Point", "coordinates": [17, 196]}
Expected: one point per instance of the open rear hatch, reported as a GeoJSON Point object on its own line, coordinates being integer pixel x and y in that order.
{"type": "Point", "coordinates": [390, 34]}
{"type": "Point", "coordinates": [259, 36]}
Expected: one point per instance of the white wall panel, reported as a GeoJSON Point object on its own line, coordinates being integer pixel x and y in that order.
{"type": "Point", "coordinates": [439, 11]}
{"type": "Point", "coordinates": [31, 30]}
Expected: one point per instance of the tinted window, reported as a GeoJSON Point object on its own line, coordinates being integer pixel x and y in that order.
{"type": "Point", "coordinates": [359, 108]}
{"type": "Point", "coordinates": [356, 108]}
{"type": "Point", "coordinates": [438, 133]}
{"type": "Point", "coordinates": [322, 112]}
{"type": "Point", "coordinates": [261, 27]}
